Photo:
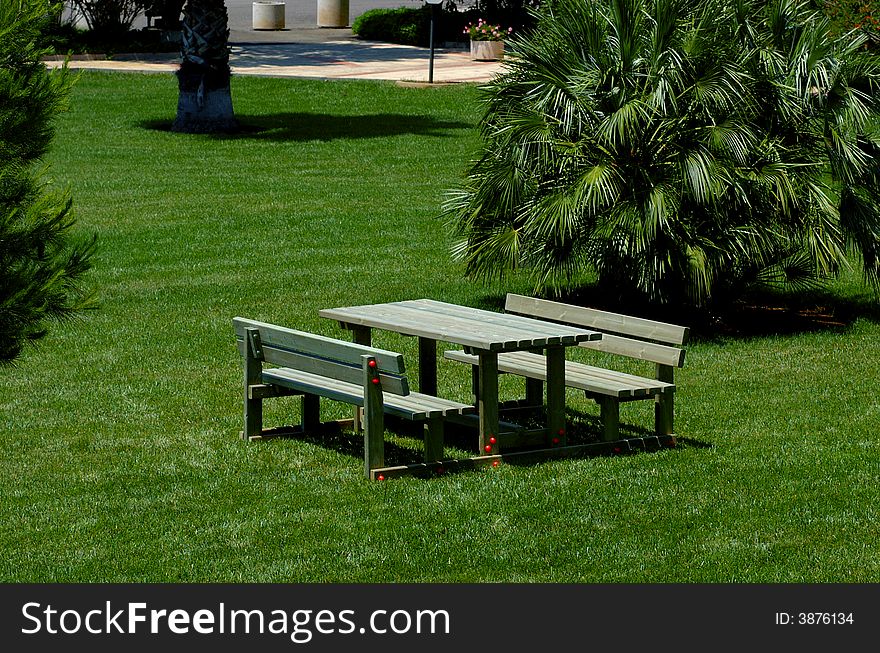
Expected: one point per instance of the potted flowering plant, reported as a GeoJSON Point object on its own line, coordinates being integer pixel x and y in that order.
{"type": "Point", "coordinates": [487, 40]}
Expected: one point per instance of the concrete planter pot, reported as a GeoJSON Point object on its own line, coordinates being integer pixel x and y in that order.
{"type": "Point", "coordinates": [268, 15]}
{"type": "Point", "coordinates": [487, 50]}
{"type": "Point", "coordinates": [332, 13]}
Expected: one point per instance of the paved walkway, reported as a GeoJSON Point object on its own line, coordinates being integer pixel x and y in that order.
{"type": "Point", "coordinates": [305, 50]}
{"type": "Point", "coordinates": [328, 60]}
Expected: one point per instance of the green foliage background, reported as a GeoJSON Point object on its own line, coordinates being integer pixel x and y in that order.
{"type": "Point", "coordinates": [680, 150]}
{"type": "Point", "coordinates": [40, 264]}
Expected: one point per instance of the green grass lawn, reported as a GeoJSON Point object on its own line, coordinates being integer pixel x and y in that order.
{"type": "Point", "coordinates": [120, 452]}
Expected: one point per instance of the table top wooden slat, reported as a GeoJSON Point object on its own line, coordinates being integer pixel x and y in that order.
{"type": "Point", "coordinates": [393, 320]}
{"type": "Point", "coordinates": [462, 325]}
{"type": "Point", "coordinates": [435, 319]}
{"type": "Point", "coordinates": [519, 322]}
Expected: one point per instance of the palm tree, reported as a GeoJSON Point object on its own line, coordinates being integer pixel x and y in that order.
{"type": "Point", "coordinates": [675, 148]}
{"type": "Point", "coordinates": [205, 100]}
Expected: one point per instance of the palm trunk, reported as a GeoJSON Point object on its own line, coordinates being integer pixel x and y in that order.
{"type": "Point", "coordinates": [205, 101]}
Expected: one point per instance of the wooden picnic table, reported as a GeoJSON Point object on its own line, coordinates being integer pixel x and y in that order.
{"type": "Point", "coordinates": [484, 333]}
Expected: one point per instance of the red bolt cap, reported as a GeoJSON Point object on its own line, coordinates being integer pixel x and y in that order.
{"type": "Point", "coordinates": [375, 381]}
{"type": "Point", "coordinates": [561, 431]}
{"type": "Point", "coordinates": [488, 447]}
{"type": "Point", "coordinates": [493, 440]}
{"type": "Point", "coordinates": [380, 477]}
{"type": "Point", "coordinates": [616, 449]}
{"type": "Point", "coordinates": [555, 440]}
{"type": "Point", "coordinates": [494, 463]}
{"type": "Point", "coordinates": [372, 363]}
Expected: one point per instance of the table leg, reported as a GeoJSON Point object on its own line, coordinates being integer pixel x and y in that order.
{"type": "Point", "coordinates": [534, 392]}
{"type": "Point", "coordinates": [360, 335]}
{"type": "Point", "coordinates": [428, 366]}
{"type": "Point", "coordinates": [487, 401]}
{"type": "Point", "coordinates": [556, 393]}
{"type": "Point", "coordinates": [535, 387]}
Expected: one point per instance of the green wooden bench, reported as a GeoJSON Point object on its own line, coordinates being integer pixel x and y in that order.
{"type": "Point", "coordinates": [623, 335]}
{"type": "Point", "coordinates": [314, 366]}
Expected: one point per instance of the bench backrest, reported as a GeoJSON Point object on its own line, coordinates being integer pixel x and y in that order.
{"type": "Point", "coordinates": [327, 357]}
{"type": "Point", "coordinates": [622, 334]}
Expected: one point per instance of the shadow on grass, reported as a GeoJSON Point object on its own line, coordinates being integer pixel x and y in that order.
{"type": "Point", "coordinates": [765, 314]}
{"type": "Point", "coordinates": [403, 442]}
{"type": "Point", "coordinates": [349, 443]}
{"type": "Point", "coordinates": [584, 428]}
{"type": "Point", "coordinates": [757, 314]}
{"type": "Point", "coordinates": [295, 127]}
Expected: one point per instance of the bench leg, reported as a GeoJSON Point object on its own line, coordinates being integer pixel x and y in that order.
{"type": "Point", "coordinates": [360, 336]}
{"type": "Point", "coordinates": [610, 413]}
{"type": "Point", "coordinates": [374, 441]}
{"type": "Point", "coordinates": [311, 412]}
{"type": "Point", "coordinates": [556, 393]}
{"type": "Point", "coordinates": [664, 411]}
{"type": "Point", "coordinates": [374, 421]}
{"type": "Point", "coordinates": [434, 439]}
{"type": "Point", "coordinates": [664, 403]}
{"type": "Point", "coordinates": [253, 408]}
{"type": "Point", "coordinates": [253, 418]}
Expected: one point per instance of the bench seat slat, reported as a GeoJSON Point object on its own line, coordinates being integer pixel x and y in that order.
{"type": "Point", "coordinates": [594, 380]}
{"type": "Point", "coordinates": [430, 406]}
{"type": "Point", "coordinates": [414, 406]}
{"type": "Point", "coordinates": [622, 335]}
{"type": "Point", "coordinates": [580, 374]}
{"type": "Point", "coordinates": [576, 375]}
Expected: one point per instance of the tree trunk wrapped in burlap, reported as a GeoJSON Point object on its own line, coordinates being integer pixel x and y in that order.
{"type": "Point", "coordinates": [205, 100]}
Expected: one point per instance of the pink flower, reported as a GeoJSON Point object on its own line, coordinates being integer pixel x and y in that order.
{"type": "Point", "coordinates": [484, 31]}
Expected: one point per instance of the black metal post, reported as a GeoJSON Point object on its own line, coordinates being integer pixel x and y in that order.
{"type": "Point", "coordinates": [431, 43]}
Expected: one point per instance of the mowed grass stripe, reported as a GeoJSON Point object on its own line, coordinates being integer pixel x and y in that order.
{"type": "Point", "coordinates": [121, 458]}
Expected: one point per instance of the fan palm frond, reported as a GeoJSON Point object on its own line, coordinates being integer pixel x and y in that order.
{"type": "Point", "coordinates": [674, 145]}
